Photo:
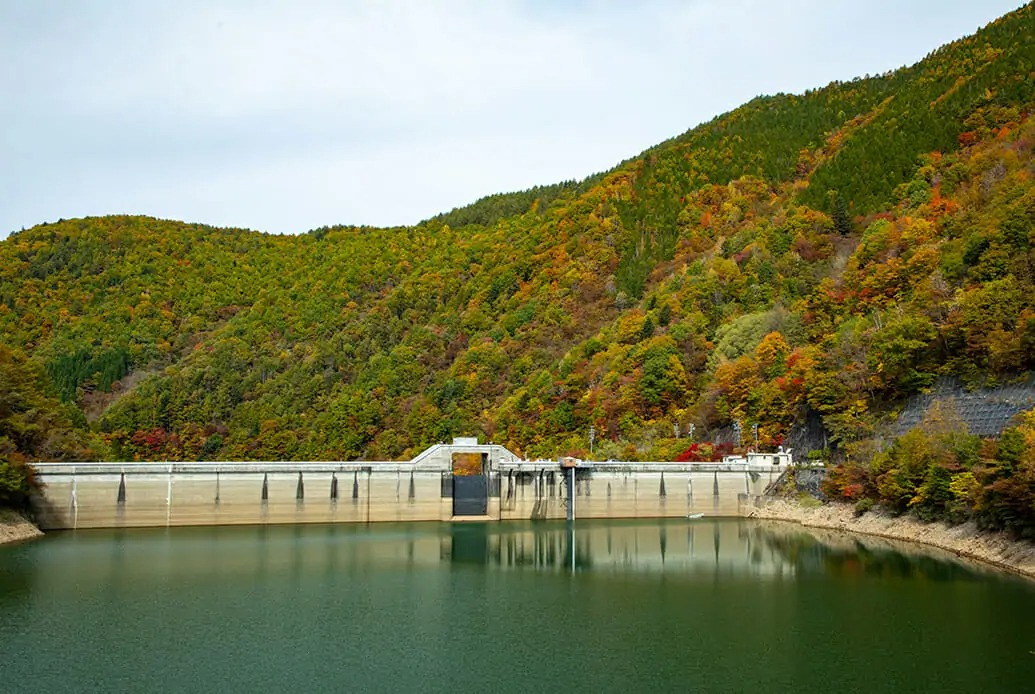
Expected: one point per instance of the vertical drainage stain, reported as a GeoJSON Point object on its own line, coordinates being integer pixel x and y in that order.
{"type": "Point", "coordinates": [715, 496]}
{"type": "Point", "coordinates": [334, 486]}
{"type": "Point", "coordinates": [217, 487]}
{"type": "Point", "coordinates": [265, 489]}
{"type": "Point", "coordinates": [300, 489]}
{"type": "Point", "coordinates": [121, 498]}
{"type": "Point", "coordinates": [661, 487]}
{"type": "Point", "coordinates": [411, 496]}
{"type": "Point", "coordinates": [355, 487]}
{"type": "Point", "coordinates": [75, 501]}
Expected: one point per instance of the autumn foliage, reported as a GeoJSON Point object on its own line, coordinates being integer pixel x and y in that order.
{"type": "Point", "coordinates": [801, 262]}
{"type": "Point", "coordinates": [940, 472]}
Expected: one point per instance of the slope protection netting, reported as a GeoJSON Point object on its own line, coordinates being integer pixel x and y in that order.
{"type": "Point", "coordinates": [986, 411]}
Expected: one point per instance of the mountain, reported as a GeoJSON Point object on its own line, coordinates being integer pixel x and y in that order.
{"type": "Point", "coordinates": [804, 263]}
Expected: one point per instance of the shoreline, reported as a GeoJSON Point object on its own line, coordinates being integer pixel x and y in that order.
{"type": "Point", "coordinates": [14, 527]}
{"type": "Point", "coordinates": [965, 540]}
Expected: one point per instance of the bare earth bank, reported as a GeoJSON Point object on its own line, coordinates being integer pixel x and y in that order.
{"type": "Point", "coordinates": [14, 527]}
{"type": "Point", "coordinates": [963, 540]}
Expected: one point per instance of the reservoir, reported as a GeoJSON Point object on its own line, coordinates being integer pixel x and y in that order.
{"type": "Point", "coordinates": [604, 605]}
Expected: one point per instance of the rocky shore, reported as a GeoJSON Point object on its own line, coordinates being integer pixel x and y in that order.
{"type": "Point", "coordinates": [963, 540]}
{"type": "Point", "coordinates": [15, 527]}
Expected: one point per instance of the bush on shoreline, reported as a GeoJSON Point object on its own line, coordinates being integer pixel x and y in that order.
{"type": "Point", "coordinates": [18, 482]}
{"type": "Point", "coordinates": [938, 471]}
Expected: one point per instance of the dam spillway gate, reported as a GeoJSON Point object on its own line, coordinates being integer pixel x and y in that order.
{"type": "Point", "coordinates": [470, 472]}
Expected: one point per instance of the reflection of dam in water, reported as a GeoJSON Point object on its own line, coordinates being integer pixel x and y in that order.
{"type": "Point", "coordinates": [721, 548]}
{"type": "Point", "coordinates": [445, 482]}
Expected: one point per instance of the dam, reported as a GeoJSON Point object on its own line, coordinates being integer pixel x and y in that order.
{"type": "Point", "coordinates": [462, 480]}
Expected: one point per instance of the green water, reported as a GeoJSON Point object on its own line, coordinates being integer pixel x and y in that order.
{"type": "Point", "coordinates": [645, 606]}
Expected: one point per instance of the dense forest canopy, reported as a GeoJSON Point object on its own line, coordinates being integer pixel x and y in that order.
{"type": "Point", "coordinates": [803, 261]}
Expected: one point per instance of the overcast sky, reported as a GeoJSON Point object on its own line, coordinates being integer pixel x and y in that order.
{"type": "Point", "coordinates": [286, 116]}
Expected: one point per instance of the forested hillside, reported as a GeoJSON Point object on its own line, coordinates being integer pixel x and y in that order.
{"type": "Point", "coordinates": [805, 259]}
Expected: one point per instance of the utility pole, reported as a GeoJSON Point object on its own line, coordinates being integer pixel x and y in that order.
{"type": "Point", "coordinates": [754, 429]}
{"type": "Point", "coordinates": [592, 437]}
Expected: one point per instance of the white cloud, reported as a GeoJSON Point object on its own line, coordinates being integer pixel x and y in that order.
{"type": "Point", "coordinates": [289, 115]}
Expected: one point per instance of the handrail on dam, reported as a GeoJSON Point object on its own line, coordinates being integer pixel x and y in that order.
{"type": "Point", "coordinates": [434, 458]}
{"type": "Point", "coordinates": [151, 467]}
{"type": "Point", "coordinates": [250, 466]}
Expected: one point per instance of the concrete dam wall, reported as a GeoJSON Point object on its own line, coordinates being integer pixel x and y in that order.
{"type": "Point", "coordinates": [429, 488]}
{"type": "Point", "coordinates": [632, 490]}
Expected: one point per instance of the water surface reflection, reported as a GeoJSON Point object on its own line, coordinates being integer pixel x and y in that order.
{"type": "Point", "coordinates": [697, 547]}
{"type": "Point", "coordinates": [118, 560]}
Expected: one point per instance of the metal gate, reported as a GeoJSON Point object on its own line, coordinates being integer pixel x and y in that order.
{"type": "Point", "coordinates": [470, 495]}
{"type": "Point", "coordinates": [470, 488]}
